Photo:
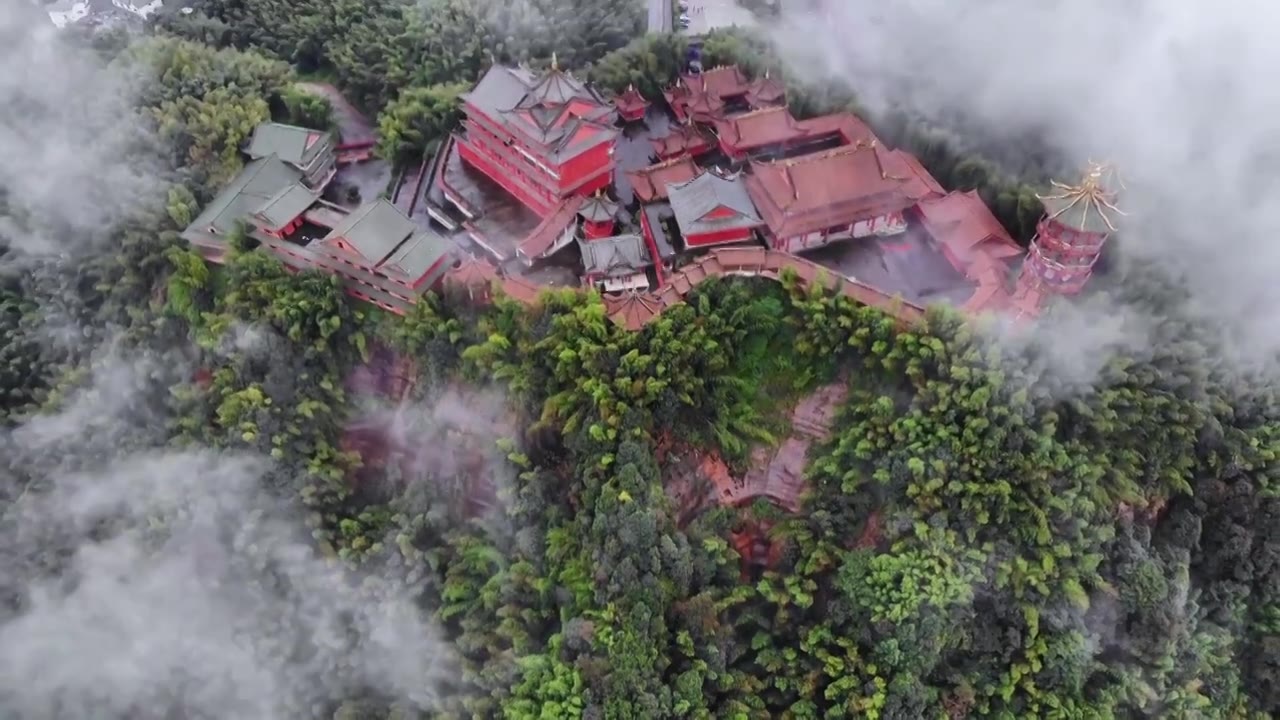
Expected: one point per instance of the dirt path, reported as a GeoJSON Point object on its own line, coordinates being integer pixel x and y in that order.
{"type": "Point", "coordinates": [354, 127]}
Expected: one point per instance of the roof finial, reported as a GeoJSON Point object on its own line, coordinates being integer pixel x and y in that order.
{"type": "Point", "coordinates": [555, 64]}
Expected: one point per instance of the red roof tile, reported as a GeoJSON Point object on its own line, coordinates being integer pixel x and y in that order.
{"type": "Point", "coordinates": [650, 183]}
{"type": "Point", "coordinates": [681, 140]}
{"type": "Point", "coordinates": [964, 226]}
{"type": "Point", "coordinates": [769, 126]}
{"type": "Point", "coordinates": [766, 91]}
{"type": "Point", "coordinates": [542, 237]}
{"type": "Point", "coordinates": [631, 100]}
{"type": "Point", "coordinates": [721, 82]}
{"type": "Point", "coordinates": [850, 127]}
{"type": "Point", "coordinates": [836, 187]}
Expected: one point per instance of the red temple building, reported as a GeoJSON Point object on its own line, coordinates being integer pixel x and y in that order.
{"type": "Point", "coordinates": [683, 140]}
{"type": "Point", "coordinates": [599, 215]}
{"type": "Point", "coordinates": [713, 210]}
{"type": "Point", "coordinates": [709, 95]}
{"type": "Point", "coordinates": [850, 192]}
{"type": "Point", "coordinates": [631, 105]}
{"type": "Point", "coordinates": [543, 138]}
{"type": "Point", "coordinates": [1069, 238]}
{"type": "Point", "coordinates": [773, 131]}
{"type": "Point", "coordinates": [650, 184]}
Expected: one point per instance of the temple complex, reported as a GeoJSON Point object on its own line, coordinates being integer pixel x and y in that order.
{"type": "Point", "coordinates": [736, 185]}
{"type": "Point", "coordinates": [543, 138]}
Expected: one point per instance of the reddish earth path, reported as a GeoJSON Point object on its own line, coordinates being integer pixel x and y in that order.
{"type": "Point", "coordinates": [354, 127]}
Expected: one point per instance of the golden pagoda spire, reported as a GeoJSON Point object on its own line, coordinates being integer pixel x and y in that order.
{"type": "Point", "coordinates": [555, 64]}
{"type": "Point", "coordinates": [1092, 193]}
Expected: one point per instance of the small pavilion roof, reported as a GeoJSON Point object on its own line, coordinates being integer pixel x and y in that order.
{"type": "Point", "coordinates": [630, 99]}
{"type": "Point", "coordinates": [598, 209]}
{"type": "Point", "coordinates": [1088, 207]}
{"type": "Point", "coordinates": [634, 309]}
{"type": "Point", "coordinates": [472, 273]}
{"type": "Point", "coordinates": [650, 183]}
{"type": "Point", "coordinates": [614, 256]}
{"type": "Point", "coordinates": [710, 203]}
{"type": "Point", "coordinates": [766, 90]}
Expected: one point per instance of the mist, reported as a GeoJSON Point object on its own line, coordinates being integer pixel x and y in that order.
{"type": "Point", "coordinates": [1177, 96]}
{"type": "Point", "coordinates": [71, 141]}
{"type": "Point", "coordinates": [142, 581]}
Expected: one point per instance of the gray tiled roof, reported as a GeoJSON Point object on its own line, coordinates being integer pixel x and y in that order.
{"type": "Point", "coordinates": [290, 143]}
{"type": "Point", "coordinates": [259, 181]}
{"type": "Point", "coordinates": [507, 94]}
{"type": "Point", "coordinates": [693, 201]}
{"type": "Point", "coordinates": [417, 254]}
{"type": "Point", "coordinates": [613, 256]}
{"type": "Point", "coordinates": [598, 209]}
{"type": "Point", "coordinates": [375, 230]}
{"type": "Point", "coordinates": [286, 205]}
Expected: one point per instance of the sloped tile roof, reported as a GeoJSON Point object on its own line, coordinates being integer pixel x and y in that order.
{"type": "Point", "coordinates": [418, 254]}
{"type": "Point", "coordinates": [963, 224]}
{"type": "Point", "coordinates": [693, 201]}
{"type": "Point", "coordinates": [550, 109]}
{"type": "Point", "coordinates": [836, 187]}
{"type": "Point", "coordinates": [292, 144]}
{"type": "Point", "coordinates": [375, 230]}
{"type": "Point", "coordinates": [259, 181]}
{"type": "Point", "coordinates": [285, 206]}
{"type": "Point", "coordinates": [612, 256]}
{"type": "Point", "coordinates": [650, 183]}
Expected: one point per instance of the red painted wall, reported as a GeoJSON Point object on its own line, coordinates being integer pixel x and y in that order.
{"type": "Point", "coordinates": [500, 175]}
{"type": "Point", "coordinates": [716, 238]}
{"type": "Point", "coordinates": [586, 164]}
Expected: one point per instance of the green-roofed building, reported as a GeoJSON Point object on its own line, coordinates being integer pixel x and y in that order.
{"type": "Point", "coordinates": [258, 184]}
{"type": "Point", "coordinates": [311, 152]}
{"type": "Point", "coordinates": [378, 240]}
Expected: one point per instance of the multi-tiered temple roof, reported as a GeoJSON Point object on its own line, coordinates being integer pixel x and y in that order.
{"type": "Point", "coordinates": [558, 114]}
{"type": "Point", "coordinates": [1087, 207]}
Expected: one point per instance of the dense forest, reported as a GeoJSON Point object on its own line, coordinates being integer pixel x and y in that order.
{"type": "Point", "coordinates": [187, 532]}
